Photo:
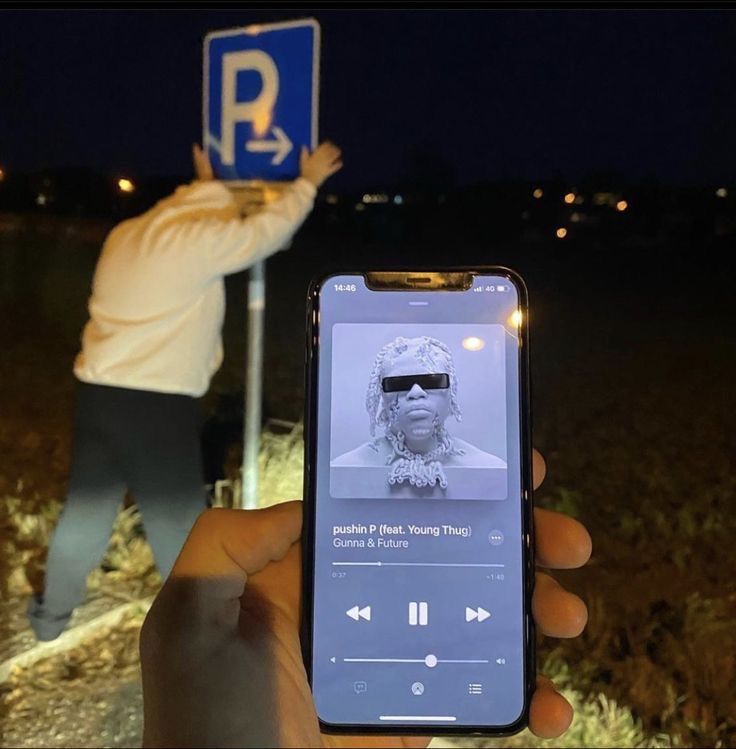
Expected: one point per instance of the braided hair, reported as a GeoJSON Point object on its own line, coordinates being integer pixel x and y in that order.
{"type": "Point", "coordinates": [419, 470]}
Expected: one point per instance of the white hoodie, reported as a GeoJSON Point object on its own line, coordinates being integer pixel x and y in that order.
{"type": "Point", "coordinates": [158, 295]}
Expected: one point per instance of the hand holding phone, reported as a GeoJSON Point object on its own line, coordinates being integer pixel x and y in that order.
{"type": "Point", "coordinates": [220, 651]}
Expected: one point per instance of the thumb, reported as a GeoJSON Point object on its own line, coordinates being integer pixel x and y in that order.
{"type": "Point", "coordinates": [237, 543]}
{"type": "Point", "coordinates": [303, 156]}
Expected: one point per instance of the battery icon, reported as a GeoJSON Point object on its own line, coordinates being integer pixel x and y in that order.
{"type": "Point", "coordinates": [500, 287]}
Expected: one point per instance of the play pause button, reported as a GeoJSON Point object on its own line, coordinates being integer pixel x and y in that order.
{"type": "Point", "coordinates": [477, 614]}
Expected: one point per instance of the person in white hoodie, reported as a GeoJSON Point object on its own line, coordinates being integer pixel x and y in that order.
{"type": "Point", "coordinates": [150, 347]}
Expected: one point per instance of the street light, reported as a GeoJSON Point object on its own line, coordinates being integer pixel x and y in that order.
{"type": "Point", "coordinates": [538, 192]}
{"type": "Point", "coordinates": [721, 192]}
{"type": "Point", "coordinates": [561, 233]}
{"type": "Point", "coordinates": [570, 198]}
{"type": "Point", "coordinates": [621, 206]}
{"type": "Point", "coordinates": [125, 185]}
{"type": "Point", "coordinates": [2, 174]}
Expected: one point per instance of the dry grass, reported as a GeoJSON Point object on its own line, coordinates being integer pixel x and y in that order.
{"type": "Point", "coordinates": [641, 450]}
{"type": "Point", "coordinates": [601, 720]}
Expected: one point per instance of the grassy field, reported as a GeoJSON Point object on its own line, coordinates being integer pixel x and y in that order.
{"type": "Point", "coordinates": [633, 399]}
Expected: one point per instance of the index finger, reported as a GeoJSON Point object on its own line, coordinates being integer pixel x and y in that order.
{"type": "Point", "coordinates": [561, 541]}
{"type": "Point", "coordinates": [539, 468]}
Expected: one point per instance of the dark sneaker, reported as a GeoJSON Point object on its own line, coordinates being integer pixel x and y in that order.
{"type": "Point", "coordinates": [46, 626]}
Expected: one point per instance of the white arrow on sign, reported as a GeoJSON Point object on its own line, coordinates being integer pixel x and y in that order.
{"type": "Point", "coordinates": [281, 146]}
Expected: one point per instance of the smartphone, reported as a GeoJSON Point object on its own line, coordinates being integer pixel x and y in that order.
{"type": "Point", "coordinates": [418, 533]}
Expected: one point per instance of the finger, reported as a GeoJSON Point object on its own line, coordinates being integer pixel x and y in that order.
{"type": "Point", "coordinates": [232, 544]}
{"type": "Point", "coordinates": [375, 742]}
{"type": "Point", "coordinates": [202, 167]}
{"type": "Point", "coordinates": [539, 468]}
{"type": "Point", "coordinates": [557, 612]}
{"type": "Point", "coordinates": [550, 714]}
{"type": "Point", "coordinates": [414, 742]}
{"type": "Point", "coordinates": [334, 168]}
{"type": "Point", "coordinates": [561, 542]}
{"type": "Point", "coordinates": [207, 170]}
{"type": "Point", "coordinates": [328, 149]}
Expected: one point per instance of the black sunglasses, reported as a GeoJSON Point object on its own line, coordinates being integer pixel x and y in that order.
{"type": "Point", "coordinates": [406, 382]}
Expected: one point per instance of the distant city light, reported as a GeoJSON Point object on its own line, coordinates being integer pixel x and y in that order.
{"type": "Point", "coordinates": [379, 197]}
{"type": "Point", "coordinates": [41, 199]}
{"type": "Point", "coordinates": [398, 200]}
{"type": "Point", "coordinates": [125, 185]}
{"type": "Point", "coordinates": [561, 233]}
{"type": "Point", "coordinates": [2, 174]}
{"type": "Point", "coordinates": [579, 200]}
{"type": "Point", "coordinates": [538, 192]}
{"type": "Point", "coordinates": [473, 343]}
{"type": "Point", "coordinates": [331, 199]}
{"type": "Point", "coordinates": [576, 218]}
{"type": "Point", "coordinates": [359, 207]}
{"type": "Point", "coordinates": [721, 192]}
{"type": "Point", "coordinates": [515, 319]}
{"type": "Point", "coordinates": [570, 198]}
{"type": "Point", "coordinates": [604, 198]}
{"type": "Point", "coordinates": [622, 205]}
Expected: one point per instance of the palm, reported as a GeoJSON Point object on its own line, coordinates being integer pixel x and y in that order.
{"type": "Point", "coordinates": [274, 592]}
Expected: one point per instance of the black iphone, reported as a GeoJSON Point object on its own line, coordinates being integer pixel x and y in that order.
{"type": "Point", "coordinates": [418, 548]}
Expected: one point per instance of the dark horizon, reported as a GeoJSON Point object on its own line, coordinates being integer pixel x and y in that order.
{"type": "Point", "coordinates": [461, 97]}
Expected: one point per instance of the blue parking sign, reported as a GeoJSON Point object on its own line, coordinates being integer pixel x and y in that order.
{"type": "Point", "coordinates": [261, 98]}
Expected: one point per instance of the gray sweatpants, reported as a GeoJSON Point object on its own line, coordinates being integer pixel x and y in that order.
{"type": "Point", "coordinates": [136, 440]}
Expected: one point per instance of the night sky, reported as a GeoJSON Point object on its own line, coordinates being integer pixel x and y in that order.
{"type": "Point", "coordinates": [522, 94]}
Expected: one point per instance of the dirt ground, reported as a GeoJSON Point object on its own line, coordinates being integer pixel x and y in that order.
{"type": "Point", "coordinates": [632, 410]}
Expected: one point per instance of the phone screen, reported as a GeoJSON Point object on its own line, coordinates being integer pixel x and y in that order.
{"type": "Point", "coordinates": [418, 603]}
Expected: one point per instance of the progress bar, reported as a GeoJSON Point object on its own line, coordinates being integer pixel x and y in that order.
{"type": "Point", "coordinates": [413, 564]}
{"type": "Point", "coordinates": [418, 717]}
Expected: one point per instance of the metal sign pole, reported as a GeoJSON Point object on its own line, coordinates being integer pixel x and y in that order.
{"type": "Point", "coordinates": [259, 157]}
{"type": "Point", "coordinates": [253, 389]}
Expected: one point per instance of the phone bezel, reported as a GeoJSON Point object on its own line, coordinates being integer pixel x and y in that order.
{"type": "Point", "coordinates": [310, 457]}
